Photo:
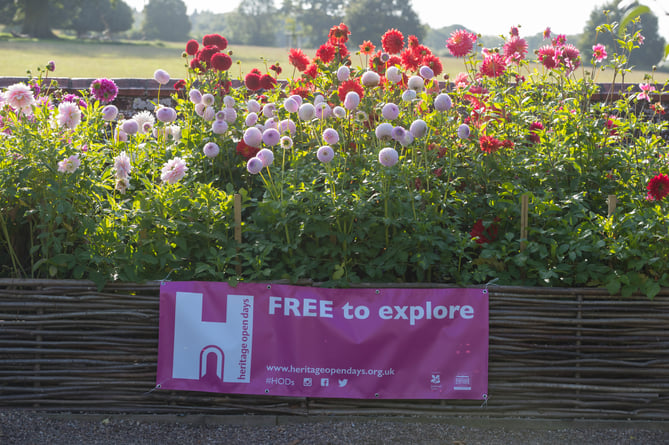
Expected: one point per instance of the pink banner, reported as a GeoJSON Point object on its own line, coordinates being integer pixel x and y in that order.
{"type": "Point", "coordinates": [313, 342]}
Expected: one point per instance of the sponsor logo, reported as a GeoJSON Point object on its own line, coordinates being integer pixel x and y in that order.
{"type": "Point", "coordinates": [221, 347]}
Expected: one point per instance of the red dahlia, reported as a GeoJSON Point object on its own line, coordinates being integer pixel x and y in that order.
{"type": "Point", "coordinates": [221, 62]}
{"type": "Point", "coordinates": [267, 82]}
{"type": "Point", "coordinates": [460, 42]}
{"type": "Point", "coordinates": [302, 91]}
{"type": "Point", "coordinates": [350, 85]}
{"type": "Point", "coordinates": [215, 40]}
{"type": "Point", "coordinates": [547, 56]}
{"type": "Point", "coordinates": [252, 80]}
{"type": "Point", "coordinates": [205, 54]}
{"type": "Point", "coordinates": [493, 65]}
{"type": "Point", "coordinates": [197, 66]}
{"type": "Point", "coordinates": [434, 63]}
{"type": "Point", "coordinates": [338, 34]}
{"type": "Point", "coordinates": [342, 50]}
{"type": "Point", "coordinates": [191, 47]}
{"type": "Point", "coordinates": [245, 150]}
{"type": "Point", "coordinates": [392, 41]}
{"type": "Point", "coordinates": [421, 50]}
{"type": "Point", "coordinates": [326, 53]}
{"type": "Point", "coordinates": [311, 71]}
{"type": "Point", "coordinates": [489, 144]}
{"type": "Point", "coordinates": [410, 61]}
{"type": "Point", "coordinates": [298, 59]}
{"type": "Point", "coordinates": [658, 187]}
{"type": "Point", "coordinates": [484, 234]}
{"type": "Point", "coordinates": [535, 129]}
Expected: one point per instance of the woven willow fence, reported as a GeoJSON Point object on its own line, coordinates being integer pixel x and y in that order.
{"type": "Point", "coordinates": [554, 353]}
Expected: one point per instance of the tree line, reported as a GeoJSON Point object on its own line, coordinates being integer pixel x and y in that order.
{"type": "Point", "coordinates": [295, 23]}
{"type": "Point", "coordinates": [161, 19]}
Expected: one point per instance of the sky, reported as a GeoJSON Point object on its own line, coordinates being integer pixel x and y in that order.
{"type": "Point", "coordinates": [490, 17]}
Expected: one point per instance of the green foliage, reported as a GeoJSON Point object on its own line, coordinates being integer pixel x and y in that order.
{"type": "Point", "coordinates": [609, 24]}
{"type": "Point", "coordinates": [206, 22]}
{"type": "Point", "coordinates": [102, 16]}
{"type": "Point", "coordinates": [395, 14]}
{"type": "Point", "coordinates": [252, 23]}
{"type": "Point", "coordinates": [448, 211]}
{"type": "Point", "coordinates": [166, 20]}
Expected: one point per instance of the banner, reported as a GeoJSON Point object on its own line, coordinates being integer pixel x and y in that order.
{"type": "Point", "coordinates": [286, 340]}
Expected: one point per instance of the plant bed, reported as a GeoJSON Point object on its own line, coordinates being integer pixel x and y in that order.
{"type": "Point", "coordinates": [344, 174]}
{"type": "Point", "coordinates": [554, 353]}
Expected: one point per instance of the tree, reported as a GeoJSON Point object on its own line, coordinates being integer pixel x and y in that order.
{"type": "Point", "coordinates": [206, 22]}
{"type": "Point", "coordinates": [166, 20]}
{"type": "Point", "coordinates": [102, 16]}
{"type": "Point", "coordinates": [647, 55]}
{"type": "Point", "coordinates": [316, 17]}
{"type": "Point", "coordinates": [253, 23]}
{"type": "Point", "coordinates": [370, 19]}
{"type": "Point", "coordinates": [37, 17]}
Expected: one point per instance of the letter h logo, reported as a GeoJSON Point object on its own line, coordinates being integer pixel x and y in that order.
{"type": "Point", "coordinates": [230, 341]}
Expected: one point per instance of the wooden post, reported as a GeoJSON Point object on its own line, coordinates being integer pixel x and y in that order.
{"type": "Point", "coordinates": [237, 207]}
{"type": "Point", "coordinates": [613, 201]}
{"type": "Point", "coordinates": [524, 210]}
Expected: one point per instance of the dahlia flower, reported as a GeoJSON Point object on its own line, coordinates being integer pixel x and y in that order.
{"type": "Point", "coordinates": [418, 128]}
{"type": "Point", "coordinates": [254, 165]}
{"type": "Point", "coordinates": [166, 114]}
{"type": "Point", "coordinates": [109, 113]}
{"type": "Point", "coordinates": [69, 164]}
{"type": "Point", "coordinates": [325, 154]}
{"type": "Point", "coordinates": [388, 156]}
{"type": "Point", "coordinates": [142, 118]}
{"type": "Point", "coordinates": [515, 49]}
{"type": "Point", "coordinates": [253, 137]}
{"type": "Point", "coordinates": [122, 165]}
{"type": "Point", "coordinates": [460, 43]}
{"type": "Point", "coordinates": [173, 171]}
{"type": "Point", "coordinates": [20, 97]}
{"type": "Point", "coordinates": [443, 102]}
{"type": "Point", "coordinates": [211, 149]}
{"type": "Point", "coordinates": [599, 52]}
{"type": "Point", "coordinates": [298, 59]}
{"type": "Point", "coordinates": [161, 76]}
{"type": "Point", "coordinates": [219, 126]}
{"type": "Point", "coordinates": [390, 111]}
{"type": "Point", "coordinates": [103, 90]}
{"type": "Point", "coordinates": [464, 131]}
{"type": "Point", "coordinates": [392, 41]}
{"type": "Point", "coordinates": [69, 115]}
{"type": "Point", "coordinates": [493, 65]}
{"type": "Point", "coordinates": [658, 187]}
{"type": "Point", "coordinates": [271, 137]}
{"type": "Point", "coordinates": [306, 112]}
{"type": "Point", "coordinates": [330, 136]}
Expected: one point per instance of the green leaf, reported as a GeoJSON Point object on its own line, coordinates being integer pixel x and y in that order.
{"type": "Point", "coordinates": [631, 15]}
{"type": "Point", "coordinates": [613, 286]}
{"type": "Point", "coordinates": [652, 289]}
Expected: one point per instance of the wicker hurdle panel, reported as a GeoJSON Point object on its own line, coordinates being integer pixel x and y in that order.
{"type": "Point", "coordinates": [554, 353]}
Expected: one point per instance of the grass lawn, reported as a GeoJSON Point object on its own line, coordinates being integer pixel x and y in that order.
{"type": "Point", "coordinates": [77, 58]}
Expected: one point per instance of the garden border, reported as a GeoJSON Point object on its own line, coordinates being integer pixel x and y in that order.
{"type": "Point", "coordinates": [554, 353]}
